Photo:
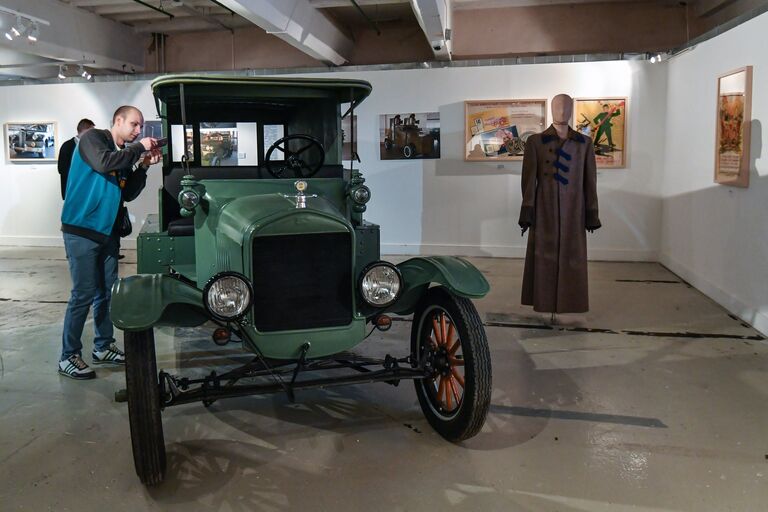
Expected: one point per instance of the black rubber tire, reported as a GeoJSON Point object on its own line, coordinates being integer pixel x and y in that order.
{"type": "Point", "coordinates": [469, 418]}
{"type": "Point", "coordinates": [143, 389]}
{"type": "Point", "coordinates": [409, 151]}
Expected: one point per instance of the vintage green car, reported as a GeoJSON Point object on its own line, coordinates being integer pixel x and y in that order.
{"type": "Point", "coordinates": [275, 253]}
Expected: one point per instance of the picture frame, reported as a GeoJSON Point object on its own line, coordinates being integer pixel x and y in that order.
{"type": "Point", "coordinates": [605, 121]}
{"type": "Point", "coordinates": [409, 136]}
{"type": "Point", "coordinates": [732, 127]}
{"type": "Point", "coordinates": [31, 141]}
{"type": "Point", "coordinates": [496, 130]}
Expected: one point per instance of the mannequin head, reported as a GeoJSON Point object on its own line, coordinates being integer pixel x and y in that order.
{"type": "Point", "coordinates": [562, 109]}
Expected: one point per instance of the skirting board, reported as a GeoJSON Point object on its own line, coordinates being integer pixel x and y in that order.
{"type": "Point", "coordinates": [487, 251]}
{"type": "Point", "coordinates": [50, 241]}
{"type": "Point", "coordinates": [753, 316]}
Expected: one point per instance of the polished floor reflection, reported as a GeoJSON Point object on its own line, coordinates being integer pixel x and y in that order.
{"type": "Point", "coordinates": [655, 400]}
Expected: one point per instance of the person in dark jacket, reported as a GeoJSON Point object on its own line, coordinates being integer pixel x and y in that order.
{"type": "Point", "coordinates": [67, 149]}
{"type": "Point", "coordinates": [106, 169]}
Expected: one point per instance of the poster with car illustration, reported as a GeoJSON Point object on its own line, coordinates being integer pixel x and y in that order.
{"type": "Point", "coordinates": [409, 135]}
{"type": "Point", "coordinates": [604, 120]}
{"type": "Point", "coordinates": [497, 129]}
{"type": "Point", "coordinates": [31, 141]}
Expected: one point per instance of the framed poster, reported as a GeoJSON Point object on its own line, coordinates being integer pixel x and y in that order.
{"type": "Point", "coordinates": [31, 141]}
{"type": "Point", "coordinates": [152, 129]}
{"type": "Point", "coordinates": [497, 129]}
{"type": "Point", "coordinates": [406, 136]}
{"type": "Point", "coordinates": [734, 111]}
{"type": "Point", "coordinates": [604, 120]}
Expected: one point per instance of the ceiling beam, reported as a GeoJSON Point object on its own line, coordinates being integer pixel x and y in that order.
{"type": "Point", "coordinates": [325, 4]}
{"type": "Point", "coordinates": [75, 35]}
{"type": "Point", "coordinates": [434, 18]}
{"type": "Point", "coordinates": [703, 8]}
{"type": "Point", "coordinates": [299, 24]}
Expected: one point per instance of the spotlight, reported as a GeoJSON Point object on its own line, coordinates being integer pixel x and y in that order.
{"type": "Point", "coordinates": [653, 60]}
{"type": "Point", "coordinates": [32, 36]}
{"type": "Point", "coordinates": [62, 76]}
{"type": "Point", "coordinates": [8, 36]}
{"type": "Point", "coordinates": [82, 71]}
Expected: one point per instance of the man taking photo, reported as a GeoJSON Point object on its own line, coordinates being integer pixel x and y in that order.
{"type": "Point", "coordinates": [106, 169]}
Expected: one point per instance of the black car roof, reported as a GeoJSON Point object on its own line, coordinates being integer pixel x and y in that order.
{"type": "Point", "coordinates": [227, 90]}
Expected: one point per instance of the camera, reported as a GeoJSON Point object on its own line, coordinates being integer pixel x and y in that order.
{"type": "Point", "coordinates": [437, 44]}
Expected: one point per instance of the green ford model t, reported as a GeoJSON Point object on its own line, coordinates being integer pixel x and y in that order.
{"type": "Point", "coordinates": [272, 250]}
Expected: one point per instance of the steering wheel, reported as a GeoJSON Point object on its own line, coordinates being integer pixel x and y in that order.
{"type": "Point", "coordinates": [293, 165]}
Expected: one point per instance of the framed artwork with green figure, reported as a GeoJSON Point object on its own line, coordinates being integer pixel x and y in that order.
{"type": "Point", "coordinates": [604, 120]}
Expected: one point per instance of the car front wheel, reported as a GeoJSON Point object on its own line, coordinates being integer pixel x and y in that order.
{"type": "Point", "coordinates": [143, 390]}
{"type": "Point", "coordinates": [448, 338]}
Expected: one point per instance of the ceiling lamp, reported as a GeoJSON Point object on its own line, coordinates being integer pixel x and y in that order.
{"type": "Point", "coordinates": [62, 76]}
{"type": "Point", "coordinates": [32, 36]}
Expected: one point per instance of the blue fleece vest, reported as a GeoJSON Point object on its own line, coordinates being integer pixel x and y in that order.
{"type": "Point", "coordinates": [92, 198]}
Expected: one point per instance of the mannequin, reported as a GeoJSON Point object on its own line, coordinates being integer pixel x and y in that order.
{"type": "Point", "coordinates": [559, 206]}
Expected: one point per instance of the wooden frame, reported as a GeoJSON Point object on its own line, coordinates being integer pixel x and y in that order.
{"type": "Point", "coordinates": [21, 144]}
{"type": "Point", "coordinates": [496, 130]}
{"type": "Point", "coordinates": [610, 151]}
{"type": "Point", "coordinates": [732, 127]}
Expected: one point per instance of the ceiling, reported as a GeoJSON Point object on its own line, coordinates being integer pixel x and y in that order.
{"type": "Point", "coordinates": [334, 23]}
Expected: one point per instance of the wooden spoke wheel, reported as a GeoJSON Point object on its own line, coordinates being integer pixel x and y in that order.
{"type": "Point", "coordinates": [448, 338]}
{"type": "Point", "coordinates": [143, 390]}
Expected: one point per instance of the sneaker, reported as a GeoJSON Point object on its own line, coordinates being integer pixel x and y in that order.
{"type": "Point", "coordinates": [112, 356]}
{"type": "Point", "coordinates": [75, 368]}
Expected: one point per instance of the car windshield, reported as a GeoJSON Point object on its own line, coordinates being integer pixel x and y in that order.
{"type": "Point", "coordinates": [242, 123]}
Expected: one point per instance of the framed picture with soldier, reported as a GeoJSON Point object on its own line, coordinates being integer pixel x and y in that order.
{"type": "Point", "coordinates": [604, 120]}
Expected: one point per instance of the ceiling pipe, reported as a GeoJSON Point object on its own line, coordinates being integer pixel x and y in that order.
{"type": "Point", "coordinates": [158, 9]}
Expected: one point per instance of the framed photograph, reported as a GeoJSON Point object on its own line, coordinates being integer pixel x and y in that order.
{"type": "Point", "coordinates": [408, 136]}
{"type": "Point", "coordinates": [604, 120]}
{"type": "Point", "coordinates": [31, 141]}
{"type": "Point", "coordinates": [734, 111]}
{"type": "Point", "coordinates": [497, 129]}
{"type": "Point", "coordinates": [152, 129]}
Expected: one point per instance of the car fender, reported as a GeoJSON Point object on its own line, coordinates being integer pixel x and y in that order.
{"type": "Point", "coordinates": [145, 300]}
{"type": "Point", "coordinates": [456, 274]}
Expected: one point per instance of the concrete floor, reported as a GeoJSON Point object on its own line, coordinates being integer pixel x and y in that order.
{"type": "Point", "coordinates": [610, 411]}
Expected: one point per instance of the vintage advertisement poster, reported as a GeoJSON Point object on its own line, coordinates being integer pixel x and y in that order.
{"type": "Point", "coordinates": [406, 136]}
{"type": "Point", "coordinates": [733, 120]}
{"type": "Point", "coordinates": [498, 129]}
{"type": "Point", "coordinates": [33, 141]}
{"type": "Point", "coordinates": [604, 120]}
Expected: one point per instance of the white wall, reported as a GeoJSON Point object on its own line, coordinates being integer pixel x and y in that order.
{"type": "Point", "coordinates": [444, 206]}
{"type": "Point", "coordinates": [715, 236]}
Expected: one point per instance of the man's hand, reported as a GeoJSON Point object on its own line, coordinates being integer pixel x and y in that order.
{"type": "Point", "coordinates": [152, 157]}
{"type": "Point", "coordinates": [149, 143]}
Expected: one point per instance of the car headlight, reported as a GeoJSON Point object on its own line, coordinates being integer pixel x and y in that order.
{"type": "Point", "coordinates": [381, 284]}
{"type": "Point", "coordinates": [189, 199]}
{"type": "Point", "coordinates": [227, 296]}
{"type": "Point", "coordinates": [361, 194]}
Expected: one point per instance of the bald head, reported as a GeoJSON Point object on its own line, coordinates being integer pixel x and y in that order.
{"type": "Point", "coordinates": [127, 123]}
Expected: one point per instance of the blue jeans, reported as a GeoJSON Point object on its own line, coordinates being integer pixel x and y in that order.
{"type": "Point", "coordinates": [93, 267]}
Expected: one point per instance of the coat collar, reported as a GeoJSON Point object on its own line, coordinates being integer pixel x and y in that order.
{"type": "Point", "coordinates": [550, 135]}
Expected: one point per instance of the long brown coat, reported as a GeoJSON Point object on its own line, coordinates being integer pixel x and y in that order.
{"type": "Point", "coordinates": [559, 205]}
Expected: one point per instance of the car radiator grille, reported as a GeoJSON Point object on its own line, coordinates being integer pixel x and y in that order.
{"type": "Point", "coordinates": [302, 281]}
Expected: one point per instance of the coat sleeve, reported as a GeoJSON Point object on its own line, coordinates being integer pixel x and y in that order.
{"type": "Point", "coordinates": [530, 163]}
{"type": "Point", "coordinates": [590, 189]}
{"type": "Point", "coordinates": [96, 150]}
